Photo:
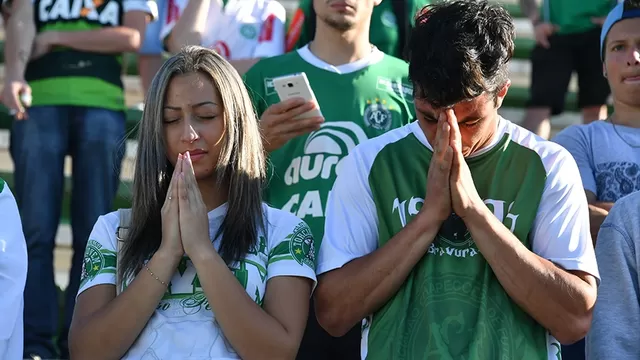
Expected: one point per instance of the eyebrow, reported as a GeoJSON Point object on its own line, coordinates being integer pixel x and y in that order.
{"type": "Point", "coordinates": [194, 105]}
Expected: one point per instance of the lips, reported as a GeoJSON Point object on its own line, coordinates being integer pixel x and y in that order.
{"type": "Point", "coordinates": [196, 154]}
{"type": "Point", "coordinates": [632, 79]}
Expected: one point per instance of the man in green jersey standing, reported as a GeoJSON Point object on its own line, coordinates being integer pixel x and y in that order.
{"type": "Point", "coordinates": [361, 92]}
{"type": "Point", "coordinates": [460, 235]}
{"type": "Point", "coordinates": [567, 34]}
{"type": "Point", "coordinates": [391, 22]}
{"type": "Point", "coordinates": [67, 55]}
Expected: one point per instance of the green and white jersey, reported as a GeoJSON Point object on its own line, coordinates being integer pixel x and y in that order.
{"type": "Point", "coordinates": [184, 325]}
{"type": "Point", "coordinates": [66, 76]}
{"type": "Point", "coordinates": [451, 304]}
{"type": "Point", "coordinates": [359, 100]}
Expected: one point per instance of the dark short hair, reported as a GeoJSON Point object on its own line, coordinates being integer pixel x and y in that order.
{"type": "Point", "coordinates": [459, 50]}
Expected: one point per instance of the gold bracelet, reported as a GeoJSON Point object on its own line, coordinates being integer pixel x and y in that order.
{"type": "Point", "coordinates": [154, 275]}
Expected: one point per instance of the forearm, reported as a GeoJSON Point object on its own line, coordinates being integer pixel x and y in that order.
{"type": "Point", "coordinates": [112, 330]}
{"type": "Point", "coordinates": [559, 301]}
{"type": "Point", "coordinates": [20, 32]}
{"type": "Point", "coordinates": [597, 214]}
{"type": "Point", "coordinates": [529, 9]}
{"type": "Point", "coordinates": [110, 40]}
{"type": "Point", "coordinates": [190, 26]}
{"type": "Point", "coordinates": [347, 295]}
{"type": "Point", "coordinates": [253, 333]}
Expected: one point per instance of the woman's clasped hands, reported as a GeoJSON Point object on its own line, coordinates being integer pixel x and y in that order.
{"type": "Point", "coordinates": [185, 224]}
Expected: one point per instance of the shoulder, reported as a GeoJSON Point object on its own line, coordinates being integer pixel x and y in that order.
{"type": "Point", "coordinates": [280, 221]}
{"type": "Point", "coordinates": [585, 133]}
{"type": "Point", "coordinates": [273, 65]}
{"type": "Point", "coordinates": [104, 230]}
{"type": "Point", "coordinates": [625, 211]}
{"type": "Point", "coordinates": [362, 157]}
{"type": "Point", "coordinates": [549, 153]}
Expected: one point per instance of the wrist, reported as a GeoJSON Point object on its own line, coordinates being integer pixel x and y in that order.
{"type": "Point", "coordinates": [202, 254]}
{"type": "Point", "coordinates": [478, 214]}
{"type": "Point", "coordinates": [169, 255]}
{"type": "Point", "coordinates": [428, 220]}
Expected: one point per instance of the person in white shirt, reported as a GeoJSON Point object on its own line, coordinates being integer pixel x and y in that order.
{"type": "Point", "coordinates": [242, 31]}
{"type": "Point", "coordinates": [206, 270]}
{"type": "Point", "coordinates": [13, 276]}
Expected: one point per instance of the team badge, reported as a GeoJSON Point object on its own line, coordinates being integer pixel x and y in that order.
{"type": "Point", "coordinates": [301, 245]}
{"type": "Point", "coordinates": [248, 31]}
{"type": "Point", "coordinates": [93, 262]}
{"type": "Point", "coordinates": [377, 115]}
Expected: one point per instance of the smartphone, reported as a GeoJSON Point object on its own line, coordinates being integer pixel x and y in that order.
{"type": "Point", "coordinates": [296, 85]}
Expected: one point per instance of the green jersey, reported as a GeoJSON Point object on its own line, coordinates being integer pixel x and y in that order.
{"type": "Point", "coordinates": [383, 31]}
{"type": "Point", "coordinates": [359, 101]}
{"type": "Point", "coordinates": [67, 76]}
{"type": "Point", "coordinates": [572, 16]}
{"type": "Point", "coordinates": [452, 306]}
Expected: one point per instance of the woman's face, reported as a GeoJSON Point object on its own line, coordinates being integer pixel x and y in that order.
{"type": "Point", "coordinates": [193, 121]}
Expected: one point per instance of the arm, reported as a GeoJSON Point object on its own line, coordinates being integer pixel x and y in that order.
{"type": "Point", "coordinates": [99, 311]}
{"type": "Point", "coordinates": [613, 332]}
{"type": "Point", "coordinates": [189, 28]}
{"type": "Point", "coordinates": [554, 282]}
{"type": "Point", "coordinates": [357, 276]}
{"type": "Point", "coordinates": [20, 32]}
{"type": "Point", "coordinates": [598, 211]}
{"type": "Point", "coordinates": [274, 332]}
{"type": "Point", "coordinates": [347, 295]}
{"type": "Point", "coordinates": [530, 10]}
{"type": "Point", "coordinates": [109, 40]}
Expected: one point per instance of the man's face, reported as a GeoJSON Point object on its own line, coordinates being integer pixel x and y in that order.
{"type": "Point", "coordinates": [622, 61]}
{"type": "Point", "coordinates": [344, 15]}
{"type": "Point", "coordinates": [476, 118]}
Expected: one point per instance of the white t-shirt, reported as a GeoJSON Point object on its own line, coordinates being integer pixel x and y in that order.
{"type": "Point", "coordinates": [608, 157]}
{"type": "Point", "coordinates": [183, 325]}
{"type": "Point", "coordinates": [13, 276]}
{"type": "Point", "coordinates": [241, 29]}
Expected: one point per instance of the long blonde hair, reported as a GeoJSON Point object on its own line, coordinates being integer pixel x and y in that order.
{"type": "Point", "coordinates": [241, 165]}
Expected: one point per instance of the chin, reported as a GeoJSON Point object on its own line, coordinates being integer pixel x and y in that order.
{"type": "Point", "coordinates": [203, 173]}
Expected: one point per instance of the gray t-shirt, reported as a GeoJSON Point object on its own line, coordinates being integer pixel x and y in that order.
{"type": "Point", "coordinates": [614, 330]}
{"type": "Point", "coordinates": [608, 157]}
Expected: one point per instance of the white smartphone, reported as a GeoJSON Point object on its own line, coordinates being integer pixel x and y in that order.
{"type": "Point", "coordinates": [296, 85]}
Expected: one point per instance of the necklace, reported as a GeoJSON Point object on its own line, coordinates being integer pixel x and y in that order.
{"type": "Point", "coordinates": [610, 119]}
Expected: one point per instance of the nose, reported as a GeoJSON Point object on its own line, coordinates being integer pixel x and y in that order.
{"type": "Point", "coordinates": [189, 133]}
{"type": "Point", "coordinates": [635, 57]}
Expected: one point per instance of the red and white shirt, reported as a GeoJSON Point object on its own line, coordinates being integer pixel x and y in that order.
{"type": "Point", "coordinates": [241, 29]}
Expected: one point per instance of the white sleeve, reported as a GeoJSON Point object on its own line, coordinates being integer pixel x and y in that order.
{"type": "Point", "coordinates": [13, 267]}
{"type": "Point", "coordinates": [272, 33]}
{"type": "Point", "coordinates": [291, 249]}
{"type": "Point", "coordinates": [175, 8]}
{"type": "Point", "coordinates": [351, 222]}
{"type": "Point", "coordinates": [561, 232]}
{"type": "Point", "coordinates": [147, 6]}
{"type": "Point", "coordinates": [99, 264]}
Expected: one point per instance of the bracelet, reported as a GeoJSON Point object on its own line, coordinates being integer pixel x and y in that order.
{"type": "Point", "coordinates": [154, 275]}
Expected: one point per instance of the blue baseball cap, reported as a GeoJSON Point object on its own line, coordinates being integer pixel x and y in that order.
{"type": "Point", "coordinates": [619, 12]}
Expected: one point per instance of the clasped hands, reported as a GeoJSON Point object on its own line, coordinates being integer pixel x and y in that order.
{"type": "Point", "coordinates": [185, 223]}
{"type": "Point", "coordinates": [450, 186]}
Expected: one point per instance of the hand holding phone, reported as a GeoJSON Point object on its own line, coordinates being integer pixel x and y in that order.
{"type": "Point", "coordinates": [297, 85]}
{"type": "Point", "coordinates": [294, 116]}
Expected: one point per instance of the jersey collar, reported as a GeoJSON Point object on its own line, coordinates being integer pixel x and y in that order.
{"type": "Point", "coordinates": [374, 57]}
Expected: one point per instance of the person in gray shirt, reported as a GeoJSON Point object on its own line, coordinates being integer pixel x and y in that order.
{"type": "Point", "coordinates": [608, 152]}
{"type": "Point", "coordinates": [616, 317]}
